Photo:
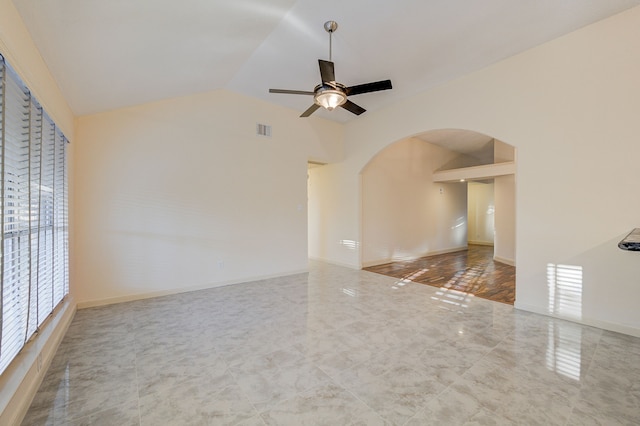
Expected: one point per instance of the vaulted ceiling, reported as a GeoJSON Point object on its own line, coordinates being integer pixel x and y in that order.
{"type": "Point", "coordinates": [108, 54]}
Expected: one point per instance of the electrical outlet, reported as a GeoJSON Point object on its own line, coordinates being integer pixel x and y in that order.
{"type": "Point", "coordinates": [220, 264]}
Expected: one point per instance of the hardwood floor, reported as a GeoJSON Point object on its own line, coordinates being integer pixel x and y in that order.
{"type": "Point", "coordinates": [471, 271]}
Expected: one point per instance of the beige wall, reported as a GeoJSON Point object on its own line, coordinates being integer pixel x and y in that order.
{"type": "Point", "coordinates": [480, 213]}
{"type": "Point", "coordinates": [504, 248]}
{"type": "Point", "coordinates": [405, 215]}
{"type": "Point", "coordinates": [571, 109]}
{"type": "Point", "coordinates": [17, 46]}
{"type": "Point", "coordinates": [182, 194]}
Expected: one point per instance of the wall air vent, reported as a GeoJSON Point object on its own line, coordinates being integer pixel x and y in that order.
{"type": "Point", "coordinates": [263, 130]}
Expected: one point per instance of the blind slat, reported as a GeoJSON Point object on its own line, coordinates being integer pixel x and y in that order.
{"type": "Point", "coordinates": [34, 215]}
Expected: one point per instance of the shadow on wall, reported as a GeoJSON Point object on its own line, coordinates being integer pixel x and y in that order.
{"type": "Point", "coordinates": [580, 293]}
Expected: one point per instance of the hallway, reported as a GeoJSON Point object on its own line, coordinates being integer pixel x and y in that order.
{"type": "Point", "coordinates": [470, 271]}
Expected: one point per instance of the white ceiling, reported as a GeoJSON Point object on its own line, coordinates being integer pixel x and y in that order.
{"type": "Point", "coordinates": [465, 142]}
{"type": "Point", "coordinates": [107, 54]}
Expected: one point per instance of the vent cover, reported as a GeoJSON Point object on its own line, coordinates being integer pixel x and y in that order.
{"type": "Point", "coordinates": [263, 130]}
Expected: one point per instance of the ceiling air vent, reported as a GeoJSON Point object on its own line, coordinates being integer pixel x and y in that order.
{"type": "Point", "coordinates": [263, 130]}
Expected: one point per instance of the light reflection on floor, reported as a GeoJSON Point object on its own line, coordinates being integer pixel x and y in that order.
{"type": "Point", "coordinates": [470, 271]}
{"type": "Point", "coordinates": [335, 346]}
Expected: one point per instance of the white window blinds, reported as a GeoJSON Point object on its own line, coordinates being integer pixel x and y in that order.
{"type": "Point", "coordinates": [34, 215]}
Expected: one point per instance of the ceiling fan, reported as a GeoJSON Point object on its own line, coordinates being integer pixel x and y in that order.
{"type": "Point", "coordinates": [330, 94]}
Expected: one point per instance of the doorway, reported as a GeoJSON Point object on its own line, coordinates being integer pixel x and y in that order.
{"type": "Point", "coordinates": [433, 212]}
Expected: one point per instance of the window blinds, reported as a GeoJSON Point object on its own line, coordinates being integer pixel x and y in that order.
{"type": "Point", "coordinates": [34, 215]}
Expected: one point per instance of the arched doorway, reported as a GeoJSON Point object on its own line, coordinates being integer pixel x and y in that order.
{"type": "Point", "coordinates": [439, 208]}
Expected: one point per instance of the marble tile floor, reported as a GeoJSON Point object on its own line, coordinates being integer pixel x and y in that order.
{"type": "Point", "coordinates": [335, 347]}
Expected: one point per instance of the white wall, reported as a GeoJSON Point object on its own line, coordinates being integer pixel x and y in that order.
{"type": "Point", "coordinates": [570, 107]}
{"type": "Point", "coordinates": [405, 215]}
{"type": "Point", "coordinates": [480, 213]}
{"type": "Point", "coordinates": [182, 194]}
{"type": "Point", "coordinates": [504, 248]}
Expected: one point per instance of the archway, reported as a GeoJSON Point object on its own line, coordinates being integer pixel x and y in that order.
{"type": "Point", "coordinates": [416, 203]}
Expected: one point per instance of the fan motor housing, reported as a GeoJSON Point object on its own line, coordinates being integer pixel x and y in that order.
{"type": "Point", "coordinates": [333, 86]}
{"type": "Point", "coordinates": [330, 95]}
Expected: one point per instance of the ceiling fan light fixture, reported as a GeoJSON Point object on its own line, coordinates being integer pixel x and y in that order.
{"type": "Point", "coordinates": [330, 98]}
{"type": "Point", "coordinates": [330, 94]}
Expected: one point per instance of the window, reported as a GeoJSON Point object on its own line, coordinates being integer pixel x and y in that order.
{"type": "Point", "coordinates": [34, 215]}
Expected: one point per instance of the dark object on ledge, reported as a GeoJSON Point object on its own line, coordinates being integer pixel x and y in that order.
{"type": "Point", "coordinates": [632, 241]}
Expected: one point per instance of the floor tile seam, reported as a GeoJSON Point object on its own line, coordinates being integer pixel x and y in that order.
{"type": "Point", "coordinates": [579, 394]}
{"type": "Point", "coordinates": [328, 380]}
{"type": "Point", "coordinates": [242, 392]}
{"type": "Point", "coordinates": [319, 367]}
{"type": "Point", "coordinates": [483, 357]}
{"type": "Point", "coordinates": [268, 373]}
{"type": "Point", "coordinates": [348, 389]}
{"type": "Point", "coordinates": [566, 422]}
{"type": "Point", "coordinates": [363, 403]}
{"type": "Point", "coordinates": [269, 408]}
{"type": "Point", "coordinates": [135, 354]}
{"type": "Point", "coordinates": [74, 418]}
{"type": "Point", "coordinates": [572, 399]}
{"type": "Point", "coordinates": [438, 395]}
{"type": "Point", "coordinates": [593, 355]}
{"type": "Point", "coordinates": [424, 407]}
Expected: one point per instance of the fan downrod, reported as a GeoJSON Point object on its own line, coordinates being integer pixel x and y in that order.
{"type": "Point", "coordinates": [330, 27]}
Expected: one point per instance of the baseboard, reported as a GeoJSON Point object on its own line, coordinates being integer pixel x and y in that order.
{"type": "Point", "coordinates": [480, 243]}
{"type": "Point", "coordinates": [149, 295]}
{"type": "Point", "coordinates": [504, 260]}
{"type": "Point", "coordinates": [333, 262]}
{"type": "Point", "coordinates": [21, 380]}
{"type": "Point", "coordinates": [377, 262]}
{"type": "Point", "coordinates": [410, 258]}
{"type": "Point", "coordinates": [605, 325]}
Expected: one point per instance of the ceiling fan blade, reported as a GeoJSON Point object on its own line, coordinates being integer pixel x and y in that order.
{"type": "Point", "coordinates": [310, 110]}
{"type": "Point", "coordinates": [326, 71]}
{"type": "Point", "coordinates": [369, 87]}
{"type": "Point", "coordinates": [291, 92]}
{"type": "Point", "coordinates": [354, 108]}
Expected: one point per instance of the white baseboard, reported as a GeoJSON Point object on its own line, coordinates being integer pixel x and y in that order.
{"type": "Point", "coordinates": [140, 296]}
{"type": "Point", "coordinates": [21, 380]}
{"type": "Point", "coordinates": [605, 325]}
{"type": "Point", "coordinates": [481, 243]}
{"type": "Point", "coordinates": [409, 258]}
{"type": "Point", "coordinates": [504, 260]}
{"type": "Point", "coordinates": [332, 262]}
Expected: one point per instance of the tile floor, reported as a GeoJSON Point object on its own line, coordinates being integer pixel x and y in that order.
{"type": "Point", "coordinates": [335, 347]}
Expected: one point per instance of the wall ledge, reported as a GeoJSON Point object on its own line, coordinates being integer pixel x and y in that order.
{"type": "Point", "coordinates": [487, 171]}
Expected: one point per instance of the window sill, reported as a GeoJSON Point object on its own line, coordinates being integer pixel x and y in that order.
{"type": "Point", "coordinates": [21, 380]}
